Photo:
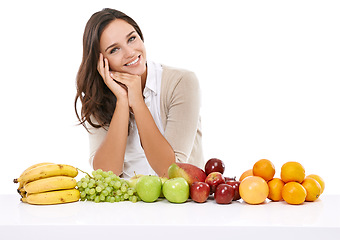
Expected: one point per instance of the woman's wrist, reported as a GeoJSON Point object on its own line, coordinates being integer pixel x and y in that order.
{"type": "Point", "coordinates": [139, 106]}
{"type": "Point", "coordinates": [121, 102]}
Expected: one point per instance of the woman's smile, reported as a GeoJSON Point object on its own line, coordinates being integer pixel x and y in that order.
{"type": "Point", "coordinates": [134, 62]}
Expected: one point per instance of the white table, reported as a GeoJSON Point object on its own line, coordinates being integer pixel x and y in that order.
{"type": "Point", "coordinates": [164, 220]}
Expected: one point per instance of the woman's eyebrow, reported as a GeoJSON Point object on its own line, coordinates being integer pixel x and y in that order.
{"type": "Point", "coordinates": [112, 45]}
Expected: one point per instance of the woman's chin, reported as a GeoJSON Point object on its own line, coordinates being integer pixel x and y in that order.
{"type": "Point", "coordinates": [135, 71]}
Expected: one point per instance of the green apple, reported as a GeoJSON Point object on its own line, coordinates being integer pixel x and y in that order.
{"type": "Point", "coordinates": [163, 179]}
{"type": "Point", "coordinates": [176, 190]}
{"type": "Point", "coordinates": [149, 188]}
{"type": "Point", "coordinates": [133, 181]}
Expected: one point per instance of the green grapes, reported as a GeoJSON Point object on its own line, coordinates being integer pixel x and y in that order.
{"type": "Point", "coordinates": [105, 186]}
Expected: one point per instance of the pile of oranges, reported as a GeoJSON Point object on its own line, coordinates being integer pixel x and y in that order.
{"type": "Point", "coordinates": [293, 186]}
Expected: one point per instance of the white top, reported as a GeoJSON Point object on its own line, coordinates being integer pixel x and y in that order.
{"type": "Point", "coordinates": [135, 160]}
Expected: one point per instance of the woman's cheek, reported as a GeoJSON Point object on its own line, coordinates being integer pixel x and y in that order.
{"type": "Point", "coordinates": [113, 65]}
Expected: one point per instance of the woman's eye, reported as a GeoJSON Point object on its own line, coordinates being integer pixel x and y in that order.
{"type": "Point", "coordinates": [131, 39]}
{"type": "Point", "coordinates": [114, 50]}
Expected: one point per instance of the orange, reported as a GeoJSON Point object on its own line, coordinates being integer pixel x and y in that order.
{"type": "Point", "coordinates": [253, 190]}
{"type": "Point", "coordinates": [264, 169]}
{"type": "Point", "coordinates": [275, 189]}
{"type": "Point", "coordinates": [247, 173]}
{"type": "Point", "coordinates": [292, 172]}
{"type": "Point", "coordinates": [319, 179]}
{"type": "Point", "coordinates": [294, 193]}
{"type": "Point", "coordinates": [313, 189]}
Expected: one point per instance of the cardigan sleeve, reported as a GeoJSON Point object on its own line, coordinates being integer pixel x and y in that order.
{"type": "Point", "coordinates": [181, 108]}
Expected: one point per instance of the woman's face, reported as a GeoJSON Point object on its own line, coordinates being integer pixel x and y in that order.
{"type": "Point", "coordinates": [124, 49]}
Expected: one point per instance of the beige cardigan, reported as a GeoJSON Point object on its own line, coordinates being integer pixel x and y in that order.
{"type": "Point", "coordinates": [179, 107]}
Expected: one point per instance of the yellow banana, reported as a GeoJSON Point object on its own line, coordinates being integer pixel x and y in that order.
{"type": "Point", "coordinates": [46, 171]}
{"type": "Point", "coordinates": [50, 184]}
{"type": "Point", "coordinates": [21, 185]}
{"type": "Point", "coordinates": [53, 197]}
{"type": "Point", "coordinates": [34, 166]}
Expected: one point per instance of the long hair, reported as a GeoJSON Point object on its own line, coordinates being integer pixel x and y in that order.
{"type": "Point", "coordinates": [96, 98]}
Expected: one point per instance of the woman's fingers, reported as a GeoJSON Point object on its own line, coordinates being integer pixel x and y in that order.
{"type": "Point", "coordinates": [103, 68]}
{"type": "Point", "coordinates": [106, 71]}
{"type": "Point", "coordinates": [100, 65]}
{"type": "Point", "coordinates": [125, 78]}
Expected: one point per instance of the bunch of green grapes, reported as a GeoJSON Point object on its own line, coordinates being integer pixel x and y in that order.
{"type": "Point", "coordinates": [105, 187]}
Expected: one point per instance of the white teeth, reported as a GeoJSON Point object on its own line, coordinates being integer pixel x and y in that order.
{"type": "Point", "coordinates": [133, 62]}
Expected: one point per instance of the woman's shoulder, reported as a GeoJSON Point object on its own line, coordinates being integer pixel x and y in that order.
{"type": "Point", "coordinates": [178, 82]}
{"type": "Point", "coordinates": [174, 75]}
{"type": "Point", "coordinates": [175, 71]}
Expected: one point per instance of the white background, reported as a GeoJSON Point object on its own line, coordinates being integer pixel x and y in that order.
{"type": "Point", "coordinates": [269, 73]}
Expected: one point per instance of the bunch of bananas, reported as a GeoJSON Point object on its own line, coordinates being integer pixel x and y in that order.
{"type": "Point", "coordinates": [48, 183]}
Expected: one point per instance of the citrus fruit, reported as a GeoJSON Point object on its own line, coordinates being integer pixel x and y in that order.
{"type": "Point", "coordinates": [275, 189]}
{"type": "Point", "coordinates": [313, 189]}
{"type": "Point", "coordinates": [292, 172]}
{"type": "Point", "coordinates": [253, 190]}
{"type": "Point", "coordinates": [319, 179]}
{"type": "Point", "coordinates": [247, 173]}
{"type": "Point", "coordinates": [265, 169]}
{"type": "Point", "coordinates": [294, 193]}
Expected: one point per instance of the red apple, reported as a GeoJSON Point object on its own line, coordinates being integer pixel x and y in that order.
{"type": "Point", "coordinates": [199, 191]}
{"type": "Point", "coordinates": [189, 172]}
{"type": "Point", "coordinates": [235, 185]}
{"type": "Point", "coordinates": [214, 165]}
{"type": "Point", "coordinates": [214, 179]}
{"type": "Point", "coordinates": [224, 194]}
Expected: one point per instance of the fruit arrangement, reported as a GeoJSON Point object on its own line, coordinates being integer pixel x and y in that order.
{"type": "Point", "coordinates": [293, 186]}
{"type": "Point", "coordinates": [48, 183]}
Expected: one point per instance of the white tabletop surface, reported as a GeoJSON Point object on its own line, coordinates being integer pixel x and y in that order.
{"type": "Point", "coordinates": [164, 220]}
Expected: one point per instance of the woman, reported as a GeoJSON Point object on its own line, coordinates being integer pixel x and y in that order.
{"type": "Point", "coordinates": [141, 116]}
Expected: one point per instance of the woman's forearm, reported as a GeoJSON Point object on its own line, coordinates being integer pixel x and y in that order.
{"type": "Point", "coordinates": [110, 154]}
{"type": "Point", "coordinates": [158, 151]}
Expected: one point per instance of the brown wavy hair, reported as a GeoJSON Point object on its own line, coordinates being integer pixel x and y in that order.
{"type": "Point", "coordinates": [96, 98]}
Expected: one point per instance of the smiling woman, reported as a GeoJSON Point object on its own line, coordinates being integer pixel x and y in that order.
{"type": "Point", "coordinates": [141, 116]}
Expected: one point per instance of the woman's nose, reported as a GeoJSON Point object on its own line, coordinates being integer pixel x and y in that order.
{"type": "Point", "coordinates": [129, 52]}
